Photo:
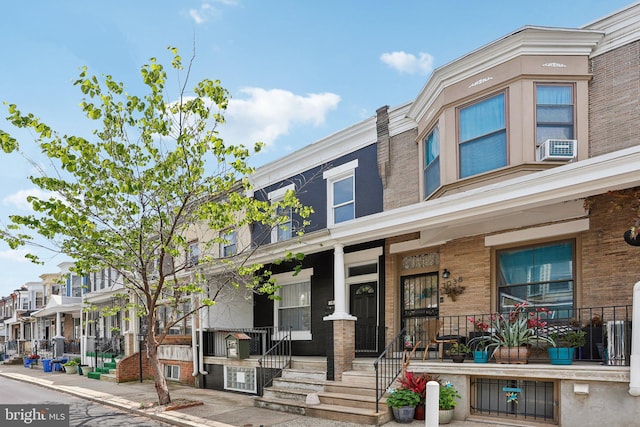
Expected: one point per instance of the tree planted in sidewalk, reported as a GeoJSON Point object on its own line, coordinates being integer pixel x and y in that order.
{"type": "Point", "coordinates": [133, 196]}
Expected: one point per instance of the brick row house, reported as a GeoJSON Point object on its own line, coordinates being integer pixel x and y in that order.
{"type": "Point", "coordinates": [499, 184]}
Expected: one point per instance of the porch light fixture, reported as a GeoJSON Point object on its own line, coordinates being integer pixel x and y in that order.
{"type": "Point", "coordinates": [446, 274]}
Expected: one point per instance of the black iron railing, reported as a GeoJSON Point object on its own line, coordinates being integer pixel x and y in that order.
{"type": "Point", "coordinates": [607, 333]}
{"type": "Point", "coordinates": [274, 361]}
{"type": "Point", "coordinates": [388, 366]}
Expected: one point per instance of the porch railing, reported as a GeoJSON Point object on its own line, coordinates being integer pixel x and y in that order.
{"type": "Point", "coordinates": [274, 361]}
{"type": "Point", "coordinates": [598, 323]}
{"type": "Point", "coordinates": [388, 366]}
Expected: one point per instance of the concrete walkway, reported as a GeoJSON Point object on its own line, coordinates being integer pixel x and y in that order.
{"type": "Point", "coordinates": [219, 409]}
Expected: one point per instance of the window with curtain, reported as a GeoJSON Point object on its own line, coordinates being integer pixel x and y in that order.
{"type": "Point", "coordinates": [283, 231]}
{"type": "Point", "coordinates": [542, 275]}
{"type": "Point", "coordinates": [294, 307]}
{"type": "Point", "coordinates": [554, 112]}
{"type": "Point", "coordinates": [431, 162]}
{"type": "Point", "coordinates": [228, 244]}
{"type": "Point", "coordinates": [483, 136]}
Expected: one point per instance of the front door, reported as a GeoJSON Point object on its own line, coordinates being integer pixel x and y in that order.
{"type": "Point", "coordinates": [364, 306]}
{"type": "Point", "coordinates": [419, 303]}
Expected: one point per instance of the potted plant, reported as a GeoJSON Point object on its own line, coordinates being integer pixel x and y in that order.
{"type": "Point", "coordinates": [417, 382]}
{"type": "Point", "coordinates": [71, 367]}
{"type": "Point", "coordinates": [403, 404]}
{"type": "Point", "coordinates": [566, 342]}
{"type": "Point", "coordinates": [458, 352]}
{"type": "Point", "coordinates": [513, 333]}
{"type": "Point", "coordinates": [447, 402]}
{"type": "Point", "coordinates": [30, 360]}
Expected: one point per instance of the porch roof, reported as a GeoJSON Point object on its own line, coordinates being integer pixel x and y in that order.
{"type": "Point", "coordinates": [60, 304]}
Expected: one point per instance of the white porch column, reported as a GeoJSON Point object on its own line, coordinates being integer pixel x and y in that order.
{"type": "Point", "coordinates": [58, 324]}
{"type": "Point", "coordinates": [339, 287]}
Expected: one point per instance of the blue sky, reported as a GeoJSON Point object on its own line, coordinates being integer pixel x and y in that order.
{"type": "Point", "coordinates": [297, 71]}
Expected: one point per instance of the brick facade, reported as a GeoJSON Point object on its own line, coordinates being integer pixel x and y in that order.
{"type": "Point", "coordinates": [344, 333]}
{"type": "Point", "coordinates": [128, 369]}
{"type": "Point", "coordinates": [403, 177]}
{"type": "Point", "coordinates": [614, 100]}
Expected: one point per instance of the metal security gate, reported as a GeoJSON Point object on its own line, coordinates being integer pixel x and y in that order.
{"type": "Point", "coordinates": [419, 302]}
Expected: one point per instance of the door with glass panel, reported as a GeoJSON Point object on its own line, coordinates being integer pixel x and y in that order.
{"type": "Point", "coordinates": [419, 295]}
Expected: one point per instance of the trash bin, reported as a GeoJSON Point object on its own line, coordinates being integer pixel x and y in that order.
{"type": "Point", "coordinates": [46, 365]}
{"type": "Point", "coordinates": [618, 343]}
{"type": "Point", "coordinates": [238, 345]}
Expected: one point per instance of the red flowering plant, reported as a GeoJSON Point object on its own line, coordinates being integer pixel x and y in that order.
{"type": "Point", "coordinates": [521, 326]}
{"type": "Point", "coordinates": [33, 356]}
{"type": "Point", "coordinates": [478, 324]}
{"type": "Point", "coordinates": [417, 382]}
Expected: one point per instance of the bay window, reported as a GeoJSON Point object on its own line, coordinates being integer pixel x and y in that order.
{"type": "Point", "coordinates": [554, 112]}
{"type": "Point", "coordinates": [482, 136]}
{"type": "Point", "coordinates": [431, 162]}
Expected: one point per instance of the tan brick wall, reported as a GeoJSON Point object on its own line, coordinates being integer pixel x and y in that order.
{"type": "Point", "coordinates": [344, 335]}
{"type": "Point", "coordinates": [403, 179]}
{"type": "Point", "coordinates": [614, 100]}
{"type": "Point", "coordinates": [609, 265]}
{"type": "Point", "coordinates": [606, 267]}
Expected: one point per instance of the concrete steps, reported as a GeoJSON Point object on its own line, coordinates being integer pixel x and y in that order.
{"type": "Point", "coordinates": [350, 400]}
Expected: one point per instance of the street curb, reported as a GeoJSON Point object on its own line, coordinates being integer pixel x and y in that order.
{"type": "Point", "coordinates": [173, 417]}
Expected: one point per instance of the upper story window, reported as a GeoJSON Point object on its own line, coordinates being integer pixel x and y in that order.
{"type": "Point", "coordinates": [284, 229]}
{"type": "Point", "coordinates": [483, 136]}
{"type": "Point", "coordinates": [228, 243]}
{"type": "Point", "coordinates": [341, 192]}
{"type": "Point", "coordinates": [193, 254]}
{"type": "Point", "coordinates": [554, 112]}
{"type": "Point", "coordinates": [431, 162]}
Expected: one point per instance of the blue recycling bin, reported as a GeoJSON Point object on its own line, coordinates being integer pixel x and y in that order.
{"type": "Point", "coordinates": [46, 365]}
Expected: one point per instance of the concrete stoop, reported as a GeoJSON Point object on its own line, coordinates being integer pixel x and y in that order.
{"type": "Point", "coordinates": [350, 400]}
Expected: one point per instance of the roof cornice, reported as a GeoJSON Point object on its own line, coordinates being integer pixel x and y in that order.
{"type": "Point", "coordinates": [621, 28]}
{"type": "Point", "coordinates": [316, 154]}
{"type": "Point", "coordinates": [528, 40]}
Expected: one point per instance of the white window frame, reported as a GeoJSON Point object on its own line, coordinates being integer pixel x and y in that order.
{"type": "Point", "coordinates": [193, 256]}
{"type": "Point", "coordinates": [285, 279]}
{"type": "Point", "coordinates": [224, 235]}
{"type": "Point", "coordinates": [277, 196]}
{"type": "Point", "coordinates": [334, 175]}
{"type": "Point", "coordinates": [170, 370]}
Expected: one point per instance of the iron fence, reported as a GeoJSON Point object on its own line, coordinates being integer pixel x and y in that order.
{"type": "Point", "coordinates": [262, 339]}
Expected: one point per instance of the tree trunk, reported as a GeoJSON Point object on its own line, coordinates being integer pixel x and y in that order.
{"type": "Point", "coordinates": [158, 375]}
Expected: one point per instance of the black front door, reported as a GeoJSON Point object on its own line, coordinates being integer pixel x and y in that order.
{"type": "Point", "coordinates": [363, 305]}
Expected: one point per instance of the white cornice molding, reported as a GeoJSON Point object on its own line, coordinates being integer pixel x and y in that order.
{"type": "Point", "coordinates": [398, 120]}
{"type": "Point", "coordinates": [620, 28]}
{"type": "Point", "coordinates": [316, 154]}
{"type": "Point", "coordinates": [573, 181]}
{"type": "Point", "coordinates": [525, 41]}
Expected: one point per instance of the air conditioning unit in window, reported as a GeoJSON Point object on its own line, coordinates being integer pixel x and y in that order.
{"type": "Point", "coordinates": [558, 149]}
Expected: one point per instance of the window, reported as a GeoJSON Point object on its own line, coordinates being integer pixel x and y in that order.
{"type": "Point", "coordinates": [240, 378]}
{"type": "Point", "coordinates": [431, 162]}
{"type": "Point", "coordinates": [228, 244]}
{"type": "Point", "coordinates": [542, 275]}
{"type": "Point", "coordinates": [192, 254]}
{"type": "Point", "coordinates": [554, 112]}
{"type": "Point", "coordinates": [293, 309]}
{"type": "Point", "coordinates": [483, 136]}
{"type": "Point", "coordinates": [341, 192]}
{"type": "Point", "coordinates": [172, 372]}
{"type": "Point", "coordinates": [166, 315]}
{"type": "Point", "coordinates": [284, 230]}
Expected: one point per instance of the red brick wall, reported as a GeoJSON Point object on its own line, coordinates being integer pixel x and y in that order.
{"type": "Point", "coordinates": [128, 369]}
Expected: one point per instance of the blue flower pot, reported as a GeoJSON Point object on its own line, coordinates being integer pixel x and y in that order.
{"type": "Point", "coordinates": [561, 355]}
{"type": "Point", "coordinates": [480, 356]}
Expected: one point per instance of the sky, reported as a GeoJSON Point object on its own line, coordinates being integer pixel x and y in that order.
{"type": "Point", "coordinates": [297, 70]}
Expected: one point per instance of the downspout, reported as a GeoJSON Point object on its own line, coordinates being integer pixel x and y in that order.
{"type": "Point", "coordinates": [194, 339]}
{"type": "Point", "coordinates": [634, 369]}
{"type": "Point", "coordinates": [201, 350]}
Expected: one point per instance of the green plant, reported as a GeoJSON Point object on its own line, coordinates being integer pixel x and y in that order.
{"type": "Point", "coordinates": [448, 396]}
{"type": "Point", "coordinates": [571, 338]}
{"type": "Point", "coordinates": [403, 397]}
{"type": "Point", "coordinates": [417, 382]}
{"type": "Point", "coordinates": [517, 328]}
{"type": "Point", "coordinates": [458, 348]}
{"type": "Point", "coordinates": [72, 362]}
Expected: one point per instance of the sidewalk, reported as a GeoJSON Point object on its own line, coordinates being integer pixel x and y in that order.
{"type": "Point", "coordinates": [219, 409]}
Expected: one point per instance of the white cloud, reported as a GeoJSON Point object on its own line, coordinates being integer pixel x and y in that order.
{"type": "Point", "coordinates": [14, 255]}
{"type": "Point", "coordinates": [408, 63]}
{"type": "Point", "coordinates": [19, 198]}
{"type": "Point", "coordinates": [207, 10]}
{"type": "Point", "coordinates": [266, 115]}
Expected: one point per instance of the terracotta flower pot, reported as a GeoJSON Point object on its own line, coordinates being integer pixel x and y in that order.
{"type": "Point", "coordinates": [512, 355]}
